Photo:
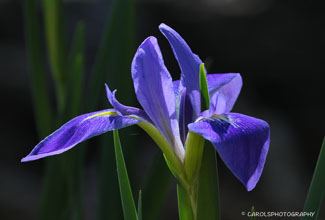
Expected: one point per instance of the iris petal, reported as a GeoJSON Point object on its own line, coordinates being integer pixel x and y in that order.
{"type": "Point", "coordinates": [77, 130]}
{"type": "Point", "coordinates": [155, 91]}
{"type": "Point", "coordinates": [228, 86]}
{"type": "Point", "coordinates": [123, 109]}
{"type": "Point", "coordinates": [189, 64]}
{"type": "Point", "coordinates": [185, 114]}
{"type": "Point", "coordinates": [241, 141]}
{"type": "Point", "coordinates": [217, 106]}
{"type": "Point", "coordinates": [176, 87]}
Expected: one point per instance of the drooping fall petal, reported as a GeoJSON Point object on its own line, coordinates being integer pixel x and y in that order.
{"type": "Point", "coordinates": [241, 141]}
{"type": "Point", "coordinates": [77, 130]}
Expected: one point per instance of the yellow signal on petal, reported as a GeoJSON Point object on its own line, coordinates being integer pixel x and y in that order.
{"type": "Point", "coordinates": [101, 114]}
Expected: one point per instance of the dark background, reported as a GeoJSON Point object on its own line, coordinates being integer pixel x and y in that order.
{"type": "Point", "coordinates": [277, 46]}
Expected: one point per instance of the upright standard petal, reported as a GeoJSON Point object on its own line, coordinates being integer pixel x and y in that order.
{"type": "Point", "coordinates": [228, 86]}
{"type": "Point", "coordinates": [189, 64]}
{"type": "Point", "coordinates": [77, 130]}
{"type": "Point", "coordinates": [154, 89]}
{"type": "Point", "coordinates": [241, 141]}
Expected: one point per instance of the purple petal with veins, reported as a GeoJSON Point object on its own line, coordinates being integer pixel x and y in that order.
{"type": "Point", "coordinates": [189, 64]}
{"type": "Point", "coordinates": [155, 91]}
{"type": "Point", "coordinates": [77, 130]}
{"type": "Point", "coordinates": [241, 141]}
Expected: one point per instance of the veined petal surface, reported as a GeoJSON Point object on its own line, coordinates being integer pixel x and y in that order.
{"type": "Point", "coordinates": [155, 91]}
{"type": "Point", "coordinates": [77, 130]}
{"type": "Point", "coordinates": [241, 141]}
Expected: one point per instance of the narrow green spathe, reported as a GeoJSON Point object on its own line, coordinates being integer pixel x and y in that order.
{"type": "Point", "coordinates": [193, 155]}
{"type": "Point", "coordinates": [205, 99]}
{"type": "Point", "coordinates": [208, 184]}
{"type": "Point", "coordinates": [171, 158]}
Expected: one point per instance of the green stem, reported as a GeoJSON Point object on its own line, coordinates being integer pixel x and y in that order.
{"type": "Point", "coordinates": [185, 203]}
{"type": "Point", "coordinates": [208, 186]}
{"type": "Point", "coordinates": [173, 162]}
{"type": "Point", "coordinates": [193, 194]}
{"type": "Point", "coordinates": [193, 156]}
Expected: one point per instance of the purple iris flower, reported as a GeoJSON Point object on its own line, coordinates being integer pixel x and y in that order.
{"type": "Point", "coordinates": [172, 110]}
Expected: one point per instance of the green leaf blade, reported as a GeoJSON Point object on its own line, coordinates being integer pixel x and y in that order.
{"type": "Point", "coordinates": [128, 204]}
{"type": "Point", "coordinates": [112, 65]}
{"type": "Point", "coordinates": [317, 187]}
{"type": "Point", "coordinates": [109, 201]}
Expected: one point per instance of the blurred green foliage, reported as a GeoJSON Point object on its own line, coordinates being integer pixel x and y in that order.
{"type": "Point", "coordinates": [63, 179]}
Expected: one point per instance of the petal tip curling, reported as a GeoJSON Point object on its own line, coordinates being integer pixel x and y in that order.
{"type": "Point", "coordinates": [108, 93]}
